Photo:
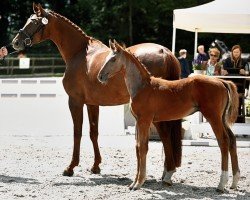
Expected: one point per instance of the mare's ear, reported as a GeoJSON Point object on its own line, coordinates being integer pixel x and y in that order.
{"type": "Point", "coordinates": [38, 10]}
{"type": "Point", "coordinates": [35, 8]}
{"type": "Point", "coordinates": [112, 45]}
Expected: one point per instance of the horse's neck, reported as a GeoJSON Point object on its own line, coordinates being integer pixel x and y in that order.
{"type": "Point", "coordinates": [68, 40]}
{"type": "Point", "coordinates": [133, 78]}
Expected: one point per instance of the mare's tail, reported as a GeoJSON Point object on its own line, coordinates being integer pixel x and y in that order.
{"type": "Point", "coordinates": [176, 140]}
{"type": "Point", "coordinates": [231, 111]}
{"type": "Point", "coordinates": [173, 73]}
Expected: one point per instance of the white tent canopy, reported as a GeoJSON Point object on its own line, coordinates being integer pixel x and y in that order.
{"type": "Point", "coordinates": [219, 16]}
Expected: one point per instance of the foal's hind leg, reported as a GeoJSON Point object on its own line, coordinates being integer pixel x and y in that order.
{"type": "Point", "coordinates": [223, 142]}
{"type": "Point", "coordinates": [169, 164]}
{"type": "Point", "coordinates": [234, 158]}
{"type": "Point", "coordinates": [93, 113]}
{"type": "Point", "coordinates": [76, 109]}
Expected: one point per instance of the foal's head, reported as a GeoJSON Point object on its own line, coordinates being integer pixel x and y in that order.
{"type": "Point", "coordinates": [33, 30]}
{"type": "Point", "coordinates": [114, 62]}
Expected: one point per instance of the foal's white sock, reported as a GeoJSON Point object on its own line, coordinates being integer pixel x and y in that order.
{"type": "Point", "coordinates": [223, 180]}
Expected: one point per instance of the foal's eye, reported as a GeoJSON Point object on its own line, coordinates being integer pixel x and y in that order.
{"type": "Point", "coordinates": [113, 59]}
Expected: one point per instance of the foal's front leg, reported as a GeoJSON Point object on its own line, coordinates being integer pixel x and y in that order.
{"type": "Point", "coordinates": [137, 157]}
{"type": "Point", "coordinates": [142, 149]}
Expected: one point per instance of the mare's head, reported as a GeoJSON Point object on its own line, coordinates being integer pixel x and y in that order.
{"type": "Point", "coordinates": [114, 62]}
{"type": "Point", "coordinates": [34, 30]}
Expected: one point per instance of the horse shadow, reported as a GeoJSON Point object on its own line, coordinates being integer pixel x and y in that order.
{"type": "Point", "coordinates": [15, 179]}
{"type": "Point", "coordinates": [183, 191]}
{"type": "Point", "coordinates": [106, 179]}
{"type": "Point", "coordinates": [157, 188]}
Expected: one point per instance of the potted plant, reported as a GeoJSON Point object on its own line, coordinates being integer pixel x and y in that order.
{"type": "Point", "coordinates": [198, 67]}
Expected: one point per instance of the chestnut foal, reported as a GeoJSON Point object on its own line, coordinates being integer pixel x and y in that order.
{"type": "Point", "coordinates": [154, 99]}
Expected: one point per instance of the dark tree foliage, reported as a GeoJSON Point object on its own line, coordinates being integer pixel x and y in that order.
{"type": "Point", "coordinates": [130, 22]}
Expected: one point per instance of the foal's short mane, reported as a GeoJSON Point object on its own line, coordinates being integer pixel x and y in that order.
{"type": "Point", "coordinates": [140, 66]}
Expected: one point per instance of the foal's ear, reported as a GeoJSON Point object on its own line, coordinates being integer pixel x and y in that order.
{"type": "Point", "coordinates": [117, 46]}
{"type": "Point", "coordinates": [112, 45]}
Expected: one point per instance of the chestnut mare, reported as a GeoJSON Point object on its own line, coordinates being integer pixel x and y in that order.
{"type": "Point", "coordinates": [84, 57]}
{"type": "Point", "coordinates": [155, 99]}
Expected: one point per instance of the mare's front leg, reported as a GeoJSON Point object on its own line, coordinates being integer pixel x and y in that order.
{"type": "Point", "coordinates": [164, 131]}
{"type": "Point", "coordinates": [141, 151]}
{"type": "Point", "coordinates": [93, 113]}
{"type": "Point", "coordinates": [76, 109]}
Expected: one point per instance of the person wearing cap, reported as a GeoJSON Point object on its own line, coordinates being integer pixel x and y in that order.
{"type": "Point", "coordinates": [185, 71]}
{"type": "Point", "coordinates": [3, 52]}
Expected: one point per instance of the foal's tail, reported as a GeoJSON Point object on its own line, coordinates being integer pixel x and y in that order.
{"type": "Point", "coordinates": [231, 111]}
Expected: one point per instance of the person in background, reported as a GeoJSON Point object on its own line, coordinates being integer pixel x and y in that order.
{"type": "Point", "coordinates": [201, 56]}
{"type": "Point", "coordinates": [235, 61]}
{"type": "Point", "coordinates": [212, 66]}
{"type": "Point", "coordinates": [3, 52]}
{"type": "Point", "coordinates": [185, 71]}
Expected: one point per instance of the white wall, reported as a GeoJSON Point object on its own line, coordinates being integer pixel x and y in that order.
{"type": "Point", "coordinates": [40, 106]}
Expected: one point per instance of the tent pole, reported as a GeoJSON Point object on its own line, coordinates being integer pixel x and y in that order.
{"type": "Point", "coordinates": [195, 41]}
{"type": "Point", "coordinates": [173, 40]}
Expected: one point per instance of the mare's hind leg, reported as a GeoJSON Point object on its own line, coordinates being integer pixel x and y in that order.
{"type": "Point", "coordinates": [234, 158]}
{"type": "Point", "coordinates": [76, 109]}
{"type": "Point", "coordinates": [169, 164]}
{"type": "Point", "coordinates": [223, 142]}
{"type": "Point", "coordinates": [93, 113]}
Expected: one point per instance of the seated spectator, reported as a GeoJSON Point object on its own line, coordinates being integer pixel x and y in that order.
{"type": "Point", "coordinates": [185, 71]}
{"type": "Point", "coordinates": [212, 66]}
{"type": "Point", "coordinates": [201, 56]}
{"type": "Point", "coordinates": [3, 52]}
{"type": "Point", "coordinates": [235, 61]}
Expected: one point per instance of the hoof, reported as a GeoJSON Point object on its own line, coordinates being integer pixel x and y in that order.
{"type": "Point", "coordinates": [68, 172]}
{"type": "Point", "coordinates": [96, 170]}
{"type": "Point", "coordinates": [131, 187]}
{"type": "Point", "coordinates": [220, 190]}
{"type": "Point", "coordinates": [167, 184]}
{"type": "Point", "coordinates": [134, 187]}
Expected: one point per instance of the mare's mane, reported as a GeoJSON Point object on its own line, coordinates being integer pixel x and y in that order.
{"type": "Point", "coordinates": [77, 28]}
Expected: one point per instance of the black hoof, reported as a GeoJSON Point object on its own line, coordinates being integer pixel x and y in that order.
{"type": "Point", "coordinates": [67, 172]}
{"type": "Point", "coordinates": [219, 191]}
{"type": "Point", "coordinates": [96, 170]}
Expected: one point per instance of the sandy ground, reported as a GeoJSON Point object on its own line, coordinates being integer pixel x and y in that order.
{"type": "Point", "coordinates": [31, 168]}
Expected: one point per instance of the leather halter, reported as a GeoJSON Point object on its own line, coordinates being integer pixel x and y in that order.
{"type": "Point", "coordinates": [28, 38]}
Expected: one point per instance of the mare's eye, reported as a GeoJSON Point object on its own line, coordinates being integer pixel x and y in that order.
{"type": "Point", "coordinates": [113, 59]}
